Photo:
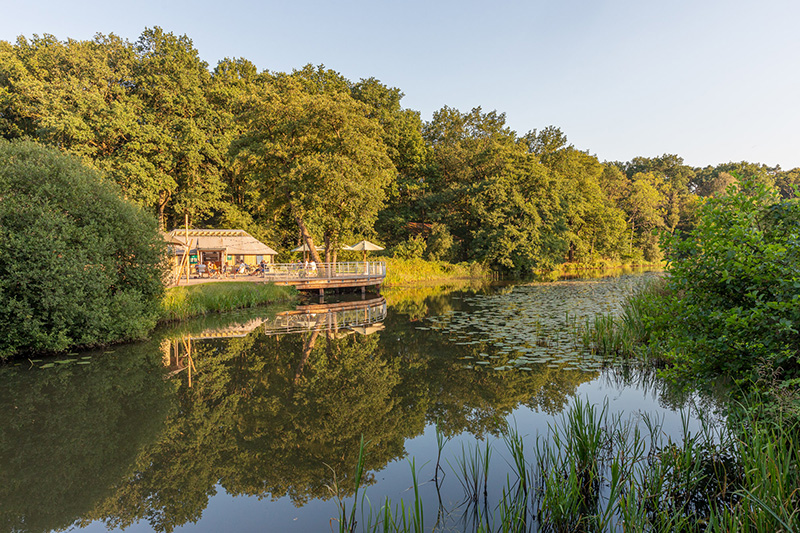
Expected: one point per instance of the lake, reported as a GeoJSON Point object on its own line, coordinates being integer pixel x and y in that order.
{"type": "Point", "coordinates": [252, 421]}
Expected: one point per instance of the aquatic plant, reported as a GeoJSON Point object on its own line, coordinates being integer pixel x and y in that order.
{"type": "Point", "coordinates": [596, 472]}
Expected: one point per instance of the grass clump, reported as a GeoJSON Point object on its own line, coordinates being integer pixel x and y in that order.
{"type": "Point", "coordinates": [180, 303]}
{"type": "Point", "coordinates": [630, 333]}
{"type": "Point", "coordinates": [405, 271]}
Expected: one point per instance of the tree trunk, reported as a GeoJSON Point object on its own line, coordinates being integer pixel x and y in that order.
{"type": "Point", "coordinates": [309, 240]}
{"type": "Point", "coordinates": [307, 347]}
{"type": "Point", "coordinates": [163, 199]}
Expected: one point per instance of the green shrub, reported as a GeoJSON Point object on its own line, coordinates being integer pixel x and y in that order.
{"type": "Point", "coordinates": [439, 244]}
{"type": "Point", "coordinates": [735, 280]}
{"type": "Point", "coordinates": [78, 264]}
{"type": "Point", "coordinates": [413, 248]}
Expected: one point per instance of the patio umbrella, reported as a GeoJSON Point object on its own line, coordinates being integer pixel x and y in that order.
{"type": "Point", "coordinates": [305, 248]}
{"type": "Point", "coordinates": [174, 241]}
{"type": "Point", "coordinates": [363, 246]}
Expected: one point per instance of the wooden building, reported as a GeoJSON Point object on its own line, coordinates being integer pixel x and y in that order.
{"type": "Point", "coordinates": [219, 246]}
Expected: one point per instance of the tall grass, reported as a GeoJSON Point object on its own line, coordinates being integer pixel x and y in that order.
{"type": "Point", "coordinates": [180, 303]}
{"type": "Point", "coordinates": [592, 471]}
{"type": "Point", "coordinates": [628, 333]}
{"type": "Point", "coordinates": [406, 271]}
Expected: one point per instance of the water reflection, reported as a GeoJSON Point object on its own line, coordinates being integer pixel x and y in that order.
{"type": "Point", "coordinates": [337, 319]}
{"type": "Point", "coordinates": [69, 435]}
{"type": "Point", "coordinates": [265, 404]}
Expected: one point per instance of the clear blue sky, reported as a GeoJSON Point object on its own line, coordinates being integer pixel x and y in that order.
{"type": "Point", "coordinates": [712, 81]}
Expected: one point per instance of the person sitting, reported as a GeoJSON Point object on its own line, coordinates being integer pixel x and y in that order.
{"type": "Point", "coordinates": [201, 269]}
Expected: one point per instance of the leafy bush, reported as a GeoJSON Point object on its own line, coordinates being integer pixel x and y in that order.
{"type": "Point", "coordinates": [78, 264]}
{"type": "Point", "coordinates": [735, 285]}
{"type": "Point", "coordinates": [413, 248]}
{"type": "Point", "coordinates": [439, 244]}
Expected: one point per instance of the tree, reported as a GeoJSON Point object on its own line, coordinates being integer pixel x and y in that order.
{"type": "Point", "coordinates": [641, 206]}
{"type": "Point", "coordinates": [402, 134]}
{"type": "Point", "coordinates": [318, 156]}
{"type": "Point", "coordinates": [137, 112]}
{"type": "Point", "coordinates": [78, 264]}
{"type": "Point", "coordinates": [181, 164]}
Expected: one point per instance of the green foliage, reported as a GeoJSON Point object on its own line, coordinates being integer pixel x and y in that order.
{"type": "Point", "coordinates": [273, 151]}
{"type": "Point", "coordinates": [439, 245]}
{"type": "Point", "coordinates": [413, 248]}
{"type": "Point", "coordinates": [78, 264]}
{"type": "Point", "coordinates": [734, 283]}
{"type": "Point", "coordinates": [316, 156]}
{"type": "Point", "coordinates": [594, 471]}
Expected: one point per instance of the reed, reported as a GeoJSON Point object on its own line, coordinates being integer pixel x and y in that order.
{"type": "Point", "coordinates": [626, 334]}
{"type": "Point", "coordinates": [347, 522]}
{"type": "Point", "coordinates": [597, 472]}
{"type": "Point", "coordinates": [180, 303]}
{"type": "Point", "coordinates": [407, 271]}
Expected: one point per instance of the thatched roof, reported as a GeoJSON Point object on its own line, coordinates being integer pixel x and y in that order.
{"type": "Point", "coordinates": [232, 241]}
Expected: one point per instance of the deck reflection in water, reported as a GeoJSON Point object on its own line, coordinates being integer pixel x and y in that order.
{"type": "Point", "coordinates": [337, 320]}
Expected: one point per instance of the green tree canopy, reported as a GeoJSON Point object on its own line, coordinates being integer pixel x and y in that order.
{"type": "Point", "coordinates": [317, 156]}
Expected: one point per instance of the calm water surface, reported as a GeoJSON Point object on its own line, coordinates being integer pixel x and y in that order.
{"type": "Point", "coordinates": [249, 422]}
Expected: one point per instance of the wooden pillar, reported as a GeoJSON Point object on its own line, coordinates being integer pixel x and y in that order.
{"type": "Point", "coordinates": [188, 246]}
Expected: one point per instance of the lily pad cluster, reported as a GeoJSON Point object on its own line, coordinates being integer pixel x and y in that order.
{"type": "Point", "coordinates": [535, 324]}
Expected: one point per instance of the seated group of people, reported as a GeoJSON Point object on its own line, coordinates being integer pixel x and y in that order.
{"type": "Point", "coordinates": [209, 269]}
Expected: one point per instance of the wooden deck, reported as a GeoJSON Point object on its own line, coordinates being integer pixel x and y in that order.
{"type": "Point", "coordinates": [324, 276]}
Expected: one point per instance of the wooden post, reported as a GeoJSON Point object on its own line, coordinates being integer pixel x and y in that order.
{"type": "Point", "coordinates": [189, 249]}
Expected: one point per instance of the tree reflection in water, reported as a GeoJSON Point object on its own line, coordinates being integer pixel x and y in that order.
{"type": "Point", "coordinates": [263, 412]}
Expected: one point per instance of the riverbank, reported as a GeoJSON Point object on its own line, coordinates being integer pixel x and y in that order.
{"type": "Point", "coordinates": [402, 272]}
{"type": "Point", "coordinates": [184, 302]}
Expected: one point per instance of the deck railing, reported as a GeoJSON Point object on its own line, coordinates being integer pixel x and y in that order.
{"type": "Point", "coordinates": [346, 270]}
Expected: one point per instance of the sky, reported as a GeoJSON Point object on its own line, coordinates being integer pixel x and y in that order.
{"type": "Point", "coordinates": [712, 81]}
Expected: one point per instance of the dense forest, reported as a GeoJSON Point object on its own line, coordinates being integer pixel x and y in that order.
{"type": "Point", "coordinates": [311, 154]}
